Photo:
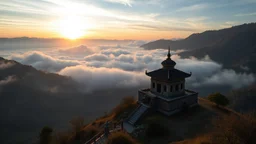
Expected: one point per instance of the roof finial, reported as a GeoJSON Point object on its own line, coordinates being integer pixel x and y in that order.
{"type": "Point", "coordinates": [169, 55]}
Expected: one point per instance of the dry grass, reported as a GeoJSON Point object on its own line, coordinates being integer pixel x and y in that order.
{"type": "Point", "coordinates": [193, 124]}
{"type": "Point", "coordinates": [202, 139]}
{"type": "Point", "coordinates": [121, 138]}
{"type": "Point", "coordinates": [228, 129]}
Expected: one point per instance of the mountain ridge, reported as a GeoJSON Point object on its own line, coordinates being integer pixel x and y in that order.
{"type": "Point", "coordinates": [233, 47]}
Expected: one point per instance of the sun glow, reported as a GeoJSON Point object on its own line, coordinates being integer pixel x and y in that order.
{"type": "Point", "coordinates": [71, 27]}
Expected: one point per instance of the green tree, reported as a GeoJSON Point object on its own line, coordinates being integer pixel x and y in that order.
{"type": "Point", "coordinates": [218, 99]}
{"type": "Point", "coordinates": [46, 135]}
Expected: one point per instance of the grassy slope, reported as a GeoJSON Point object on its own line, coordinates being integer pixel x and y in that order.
{"type": "Point", "coordinates": [196, 122]}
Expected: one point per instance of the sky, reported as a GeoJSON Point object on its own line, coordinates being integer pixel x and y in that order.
{"type": "Point", "coordinates": [120, 19]}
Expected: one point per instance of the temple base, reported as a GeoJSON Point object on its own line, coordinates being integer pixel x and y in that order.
{"type": "Point", "coordinates": [168, 105]}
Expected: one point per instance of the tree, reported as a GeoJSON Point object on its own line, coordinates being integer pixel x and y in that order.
{"type": "Point", "coordinates": [77, 125]}
{"type": "Point", "coordinates": [120, 138]}
{"type": "Point", "coordinates": [218, 99]}
{"type": "Point", "coordinates": [46, 135]}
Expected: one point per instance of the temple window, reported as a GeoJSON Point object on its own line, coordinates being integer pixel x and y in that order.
{"type": "Point", "coordinates": [181, 86]}
{"type": "Point", "coordinates": [171, 88]}
{"type": "Point", "coordinates": [177, 87]}
{"type": "Point", "coordinates": [153, 85]}
{"type": "Point", "coordinates": [158, 88]}
{"type": "Point", "coordinates": [164, 88]}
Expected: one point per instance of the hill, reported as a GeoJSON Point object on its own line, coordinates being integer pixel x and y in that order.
{"type": "Point", "coordinates": [233, 47]}
{"type": "Point", "coordinates": [31, 99]}
{"type": "Point", "coordinates": [205, 123]}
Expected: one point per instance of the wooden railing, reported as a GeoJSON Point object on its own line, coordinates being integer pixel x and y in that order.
{"type": "Point", "coordinates": [99, 135]}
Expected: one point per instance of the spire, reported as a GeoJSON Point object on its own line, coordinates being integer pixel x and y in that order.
{"type": "Point", "coordinates": [168, 63]}
{"type": "Point", "coordinates": [169, 55]}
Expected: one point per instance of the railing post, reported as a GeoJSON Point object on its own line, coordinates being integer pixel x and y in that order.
{"type": "Point", "coordinates": [106, 129]}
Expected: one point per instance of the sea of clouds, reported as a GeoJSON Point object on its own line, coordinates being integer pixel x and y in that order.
{"type": "Point", "coordinates": [102, 67]}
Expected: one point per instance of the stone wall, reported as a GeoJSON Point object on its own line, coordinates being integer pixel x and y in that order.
{"type": "Point", "coordinates": [177, 104]}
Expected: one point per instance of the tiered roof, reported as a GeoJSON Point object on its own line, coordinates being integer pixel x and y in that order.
{"type": "Point", "coordinates": [168, 72]}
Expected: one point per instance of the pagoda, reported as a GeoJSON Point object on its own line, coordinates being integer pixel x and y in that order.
{"type": "Point", "coordinates": [167, 93]}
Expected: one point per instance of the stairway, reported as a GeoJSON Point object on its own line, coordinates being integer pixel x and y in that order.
{"type": "Point", "coordinates": [101, 140]}
{"type": "Point", "coordinates": [137, 114]}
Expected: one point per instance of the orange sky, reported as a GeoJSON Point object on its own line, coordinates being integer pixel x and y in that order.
{"type": "Point", "coordinates": [119, 19]}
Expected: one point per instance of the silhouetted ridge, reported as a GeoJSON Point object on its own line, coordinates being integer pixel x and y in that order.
{"type": "Point", "coordinates": [233, 47]}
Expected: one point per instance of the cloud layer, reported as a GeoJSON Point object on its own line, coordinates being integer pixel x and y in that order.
{"type": "Point", "coordinates": [42, 61]}
{"type": "Point", "coordinates": [103, 78]}
{"type": "Point", "coordinates": [124, 66]}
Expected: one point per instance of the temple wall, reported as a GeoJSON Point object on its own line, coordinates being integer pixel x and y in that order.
{"type": "Point", "coordinates": [167, 106]}
{"type": "Point", "coordinates": [168, 89]}
{"type": "Point", "coordinates": [176, 104]}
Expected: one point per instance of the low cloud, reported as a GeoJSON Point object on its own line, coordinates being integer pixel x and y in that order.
{"type": "Point", "coordinates": [125, 58]}
{"type": "Point", "coordinates": [127, 65]}
{"type": "Point", "coordinates": [97, 57]}
{"type": "Point", "coordinates": [5, 65]}
{"type": "Point", "coordinates": [104, 78]}
{"type": "Point", "coordinates": [42, 61]}
{"type": "Point", "coordinates": [7, 80]}
{"type": "Point", "coordinates": [226, 77]}
{"type": "Point", "coordinates": [79, 50]}
{"type": "Point", "coordinates": [116, 52]}
{"type": "Point", "coordinates": [137, 43]}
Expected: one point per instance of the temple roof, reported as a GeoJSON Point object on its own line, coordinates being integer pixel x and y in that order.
{"type": "Point", "coordinates": [168, 72]}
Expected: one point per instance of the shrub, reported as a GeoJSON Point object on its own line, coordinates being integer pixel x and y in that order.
{"type": "Point", "coordinates": [218, 99]}
{"type": "Point", "coordinates": [127, 104]}
{"type": "Point", "coordinates": [89, 132]}
{"type": "Point", "coordinates": [46, 135]}
{"type": "Point", "coordinates": [120, 138]}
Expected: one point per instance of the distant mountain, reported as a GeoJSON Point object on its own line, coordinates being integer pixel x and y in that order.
{"type": "Point", "coordinates": [233, 47]}
{"type": "Point", "coordinates": [30, 77]}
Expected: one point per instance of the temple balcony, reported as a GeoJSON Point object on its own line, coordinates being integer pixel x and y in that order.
{"type": "Point", "coordinates": [147, 93]}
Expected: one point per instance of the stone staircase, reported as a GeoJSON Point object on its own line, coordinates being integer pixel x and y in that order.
{"type": "Point", "coordinates": [101, 140]}
{"type": "Point", "coordinates": [137, 114]}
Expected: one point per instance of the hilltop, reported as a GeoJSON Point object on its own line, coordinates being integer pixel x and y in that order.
{"type": "Point", "coordinates": [196, 125]}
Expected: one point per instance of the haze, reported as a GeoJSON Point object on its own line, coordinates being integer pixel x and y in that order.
{"type": "Point", "coordinates": [120, 19]}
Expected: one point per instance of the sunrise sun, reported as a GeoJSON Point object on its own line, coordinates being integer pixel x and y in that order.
{"type": "Point", "coordinates": [71, 27]}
